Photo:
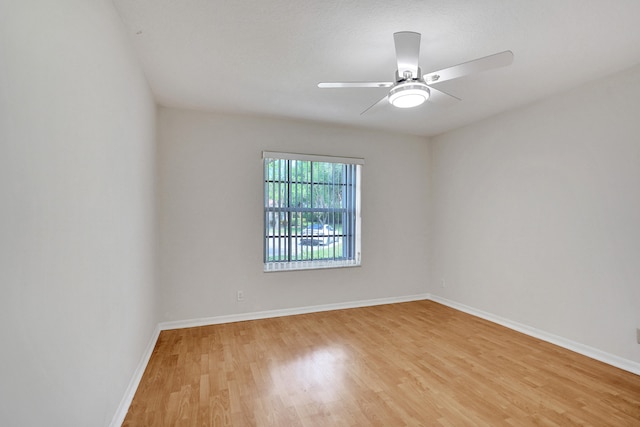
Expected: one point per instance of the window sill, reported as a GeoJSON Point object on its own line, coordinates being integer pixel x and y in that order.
{"type": "Point", "coordinates": [308, 265]}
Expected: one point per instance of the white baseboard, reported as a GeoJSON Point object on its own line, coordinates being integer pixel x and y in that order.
{"type": "Point", "coordinates": [121, 413]}
{"type": "Point", "coordinates": [594, 353]}
{"type": "Point", "coordinates": [287, 312]}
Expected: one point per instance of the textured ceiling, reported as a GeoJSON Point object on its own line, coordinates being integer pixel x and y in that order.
{"type": "Point", "coordinates": [265, 57]}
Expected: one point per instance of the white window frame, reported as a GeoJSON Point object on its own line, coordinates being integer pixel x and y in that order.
{"type": "Point", "coordinates": [269, 211]}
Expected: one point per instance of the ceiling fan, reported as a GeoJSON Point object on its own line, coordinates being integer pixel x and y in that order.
{"type": "Point", "coordinates": [411, 88]}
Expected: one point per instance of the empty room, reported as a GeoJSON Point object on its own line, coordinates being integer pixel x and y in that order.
{"type": "Point", "coordinates": [305, 213]}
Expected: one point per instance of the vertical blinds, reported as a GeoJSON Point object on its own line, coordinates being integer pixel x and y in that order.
{"type": "Point", "coordinates": [311, 211]}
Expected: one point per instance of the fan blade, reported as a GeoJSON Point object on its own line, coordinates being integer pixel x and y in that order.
{"type": "Point", "coordinates": [442, 98]}
{"type": "Point", "coordinates": [407, 52]}
{"type": "Point", "coordinates": [385, 99]}
{"type": "Point", "coordinates": [354, 84]}
{"type": "Point", "coordinates": [477, 65]}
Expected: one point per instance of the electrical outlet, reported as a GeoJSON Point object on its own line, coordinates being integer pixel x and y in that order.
{"type": "Point", "coordinates": [240, 296]}
{"type": "Point", "coordinates": [444, 283]}
{"type": "Point", "coordinates": [638, 335]}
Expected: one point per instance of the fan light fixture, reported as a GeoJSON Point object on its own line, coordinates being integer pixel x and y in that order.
{"type": "Point", "coordinates": [409, 94]}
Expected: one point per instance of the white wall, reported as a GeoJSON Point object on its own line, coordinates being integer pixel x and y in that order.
{"type": "Point", "coordinates": [211, 210]}
{"type": "Point", "coordinates": [77, 165]}
{"type": "Point", "coordinates": [536, 215]}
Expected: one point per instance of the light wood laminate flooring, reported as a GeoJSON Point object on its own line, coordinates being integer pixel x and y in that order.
{"type": "Point", "coordinates": [409, 364]}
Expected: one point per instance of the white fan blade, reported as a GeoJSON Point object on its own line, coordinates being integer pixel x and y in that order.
{"type": "Point", "coordinates": [477, 65]}
{"type": "Point", "coordinates": [384, 100]}
{"type": "Point", "coordinates": [407, 52]}
{"type": "Point", "coordinates": [353, 84]}
{"type": "Point", "coordinates": [442, 98]}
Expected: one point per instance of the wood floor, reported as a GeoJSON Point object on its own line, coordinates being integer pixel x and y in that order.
{"type": "Point", "coordinates": [409, 364]}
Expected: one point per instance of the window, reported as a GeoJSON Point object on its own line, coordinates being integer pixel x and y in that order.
{"type": "Point", "coordinates": [311, 211]}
